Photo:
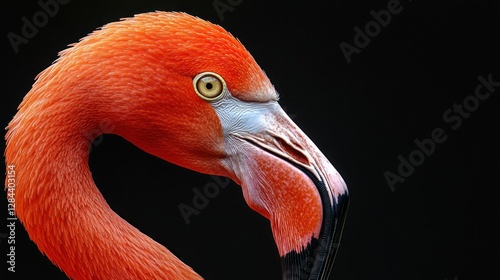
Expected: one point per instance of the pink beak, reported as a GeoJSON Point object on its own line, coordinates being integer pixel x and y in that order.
{"type": "Point", "coordinates": [287, 179]}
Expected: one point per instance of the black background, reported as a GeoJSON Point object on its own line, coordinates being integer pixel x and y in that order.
{"type": "Point", "coordinates": [440, 223]}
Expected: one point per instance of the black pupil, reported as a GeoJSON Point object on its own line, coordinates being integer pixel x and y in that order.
{"type": "Point", "coordinates": [209, 86]}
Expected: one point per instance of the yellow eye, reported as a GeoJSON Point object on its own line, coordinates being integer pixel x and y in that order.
{"type": "Point", "coordinates": [209, 86]}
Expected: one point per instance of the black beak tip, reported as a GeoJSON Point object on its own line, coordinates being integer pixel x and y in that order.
{"type": "Point", "coordinates": [316, 260]}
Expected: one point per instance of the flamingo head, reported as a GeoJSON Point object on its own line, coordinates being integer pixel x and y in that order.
{"type": "Point", "coordinates": [188, 92]}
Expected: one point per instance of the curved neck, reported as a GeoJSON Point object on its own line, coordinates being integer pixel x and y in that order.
{"type": "Point", "coordinates": [63, 211]}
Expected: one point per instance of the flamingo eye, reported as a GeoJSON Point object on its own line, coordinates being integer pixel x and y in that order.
{"type": "Point", "coordinates": [209, 86]}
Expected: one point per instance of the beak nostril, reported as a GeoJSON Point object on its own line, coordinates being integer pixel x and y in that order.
{"type": "Point", "coordinates": [293, 151]}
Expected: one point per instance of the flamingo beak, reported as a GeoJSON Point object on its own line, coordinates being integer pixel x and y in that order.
{"type": "Point", "coordinates": [287, 179]}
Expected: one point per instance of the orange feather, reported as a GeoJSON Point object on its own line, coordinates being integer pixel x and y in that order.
{"type": "Point", "coordinates": [131, 76]}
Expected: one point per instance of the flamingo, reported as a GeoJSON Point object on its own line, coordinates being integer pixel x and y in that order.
{"type": "Point", "coordinates": [186, 91]}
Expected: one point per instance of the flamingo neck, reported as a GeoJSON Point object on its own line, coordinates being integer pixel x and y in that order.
{"type": "Point", "coordinates": [62, 209]}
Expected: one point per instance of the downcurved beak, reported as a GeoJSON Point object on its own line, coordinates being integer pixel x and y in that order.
{"type": "Point", "coordinates": [287, 179]}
